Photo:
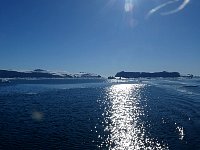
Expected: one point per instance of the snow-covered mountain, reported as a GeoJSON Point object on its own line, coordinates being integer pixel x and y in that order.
{"type": "Point", "coordinates": [39, 73]}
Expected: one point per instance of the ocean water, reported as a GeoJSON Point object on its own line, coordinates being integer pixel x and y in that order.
{"type": "Point", "coordinates": [144, 114]}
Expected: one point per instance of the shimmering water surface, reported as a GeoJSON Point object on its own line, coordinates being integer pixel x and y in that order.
{"type": "Point", "coordinates": [144, 114]}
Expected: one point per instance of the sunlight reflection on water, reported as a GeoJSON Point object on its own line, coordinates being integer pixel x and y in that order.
{"type": "Point", "coordinates": [122, 118]}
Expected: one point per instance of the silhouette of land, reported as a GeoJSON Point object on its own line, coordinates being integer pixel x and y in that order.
{"type": "Point", "coordinates": [39, 73]}
{"type": "Point", "coordinates": [163, 74]}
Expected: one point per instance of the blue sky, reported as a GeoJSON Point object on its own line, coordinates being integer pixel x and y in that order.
{"type": "Point", "coordinates": [100, 36]}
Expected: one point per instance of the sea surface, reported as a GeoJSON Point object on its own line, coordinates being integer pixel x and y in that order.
{"type": "Point", "coordinates": [90, 114]}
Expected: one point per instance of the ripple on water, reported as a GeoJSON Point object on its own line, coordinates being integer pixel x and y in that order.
{"type": "Point", "coordinates": [123, 119]}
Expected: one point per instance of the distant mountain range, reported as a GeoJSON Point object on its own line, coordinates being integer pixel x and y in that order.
{"type": "Point", "coordinates": [39, 73]}
{"type": "Point", "coordinates": [147, 74]}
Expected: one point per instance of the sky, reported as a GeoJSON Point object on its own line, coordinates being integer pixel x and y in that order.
{"type": "Point", "coordinates": [100, 36]}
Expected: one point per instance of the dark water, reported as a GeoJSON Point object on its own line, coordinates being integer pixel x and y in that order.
{"type": "Point", "coordinates": [129, 115]}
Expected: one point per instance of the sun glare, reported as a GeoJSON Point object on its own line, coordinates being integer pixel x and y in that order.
{"type": "Point", "coordinates": [127, 130]}
{"type": "Point", "coordinates": [128, 7]}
